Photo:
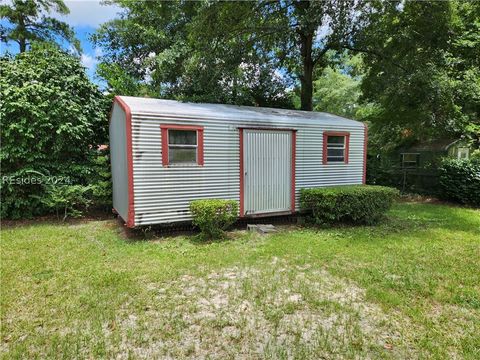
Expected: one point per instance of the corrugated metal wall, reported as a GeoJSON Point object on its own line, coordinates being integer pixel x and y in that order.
{"type": "Point", "coordinates": [267, 170]}
{"type": "Point", "coordinates": [162, 194]}
{"type": "Point", "coordinates": [118, 157]}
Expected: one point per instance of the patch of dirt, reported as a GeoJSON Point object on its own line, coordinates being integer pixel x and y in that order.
{"type": "Point", "coordinates": [250, 312]}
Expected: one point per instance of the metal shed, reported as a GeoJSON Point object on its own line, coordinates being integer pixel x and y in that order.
{"type": "Point", "coordinates": [166, 153]}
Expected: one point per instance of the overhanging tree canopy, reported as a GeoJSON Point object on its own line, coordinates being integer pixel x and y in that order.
{"type": "Point", "coordinates": [28, 20]}
{"type": "Point", "coordinates": [192, 48]}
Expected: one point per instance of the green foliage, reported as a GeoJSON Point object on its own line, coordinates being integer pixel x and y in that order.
{"type": "Point", "coordinates": [460, 181]}
{"type": "Point", "coordinates": [70, 200]}
{"type": "Point", "coordinates": [336, 93]}
{"type": "Point", "coordinates": [245, 53]}
{"type": "Point", "coordinates": [156, 49]}
{"type": "Point", "coordinates": [53, 119]}
{"type": "Point", "coordinates": [358, 204]}
{"type": "Point", "coordinates": [337, 87]}
{"type": "Point", "coordinates": [119, 82]}
{"type": "Point", "coordinates": [423, 70]}
{"type": "Point", "coordinates": [213, 216]}
{"type": "Point", "coordinates": [28, 21]}
{"type": "Point", "coordinates": [100, 180]}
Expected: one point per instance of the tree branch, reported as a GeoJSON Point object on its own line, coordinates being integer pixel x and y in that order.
{"type": "Point", "coordinates": [372, 52]}
{"type": "Point", "coordinates": [321, 54]}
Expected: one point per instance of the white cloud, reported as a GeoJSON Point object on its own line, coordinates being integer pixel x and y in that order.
{"type": "Point", "coordinates": [85, 12]}
{"type": "Point", "coordinates": [88, 61]}
{"type": "Point", "coordinates": [88, 13]}
{"type": "Point", "coordinates": [98, 52]}
{"type": "Point", "coordinates": [323, 31]}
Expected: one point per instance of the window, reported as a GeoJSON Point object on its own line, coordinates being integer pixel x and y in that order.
{"type": "Point", "coordinates": [463, 153]}
{"type": "Point", "coordinates": [182, 145]}
{"type": "Point", "coordinates": [335, 147]}
{"type": "Point", "coordinates": [410, 160]}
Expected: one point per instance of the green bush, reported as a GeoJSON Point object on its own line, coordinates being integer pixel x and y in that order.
{"type": "Point", "coordinates": [213, 216]}
{"type": "Point", "coordinates": [460, 181]}
{"type": "Point", "coordinates": [100, 180]}
{"type": "Point", "coordinates": [52, 120]}
{"type": "Point", "coordinates": [67, 200]}
{"type": "Point", "coordinates": [359, 204]}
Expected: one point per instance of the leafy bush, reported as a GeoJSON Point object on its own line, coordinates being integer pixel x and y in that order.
{"type": "Point", "coordinates": [70, 200]}
{"type": "Point", "coordinates": [361, 204]}
{"type": "Point", "coordinates": [101, 180]}
{"type": "Point", "coordinates": [213, 216]}
{"type": "Point", "coordinates": [460, 181]}
{"type": "Point", "coordinates": [53, 119]}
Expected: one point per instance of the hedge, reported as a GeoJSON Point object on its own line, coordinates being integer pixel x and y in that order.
{"type": "Point", "coordinates": [460, 181]}
{"type": "Point", "coordinates": [213, 216]}
{"type": "Point", "coordinates": [358, 204]}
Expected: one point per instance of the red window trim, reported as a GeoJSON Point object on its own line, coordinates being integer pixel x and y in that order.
{"type": "Point", "coordinates": [200, 148]}
{"type": "Point", "coordinates": [326, 134]}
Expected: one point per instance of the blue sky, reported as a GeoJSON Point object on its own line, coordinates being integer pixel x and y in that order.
{"type": "Point", "coordinates": [85, 17]}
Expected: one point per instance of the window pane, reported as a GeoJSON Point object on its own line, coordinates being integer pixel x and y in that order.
{"type": "Point", "coordinates": [179, 155]}
{"type": "Point", "coordinates": [182, 137]}
{"type": "Point", "coordinates": [410, 157]}
{"type": "Point", "coordinates": [335, 140]}
{"type": "Point", "coordinates": [335, 152]}
{"type": "Point", "coordinates": [335, 159]}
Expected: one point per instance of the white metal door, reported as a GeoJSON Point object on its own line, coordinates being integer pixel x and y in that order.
{"type": "Point", "coordinates": [267, 171]}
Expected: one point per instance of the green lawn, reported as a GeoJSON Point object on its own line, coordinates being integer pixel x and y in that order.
{"type": "Point", "coordinates": [408, 288]}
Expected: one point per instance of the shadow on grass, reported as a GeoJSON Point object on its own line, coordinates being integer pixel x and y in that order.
{"type": "Point", "coordinates": [402, 218]}
{"type": "Point", "coordinates": [413, 217]}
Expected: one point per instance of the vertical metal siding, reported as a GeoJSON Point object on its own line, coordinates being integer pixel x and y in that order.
{"type": "Point", "coordinates": [162, 194]}
{"type": "Point", "coordinates": [118, 159]}
{"type": "Point", "coordinates": [267, 164]}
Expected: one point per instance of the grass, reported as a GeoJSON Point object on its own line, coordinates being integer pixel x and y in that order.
{"type": "Point", "coordinates": [408, 288]}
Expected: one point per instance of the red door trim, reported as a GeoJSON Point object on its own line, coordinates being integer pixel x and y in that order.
{"type": "Point", "coordinates": [242, 185]}
{"type": "Point", "coordinates": [294, 168]}
{"type": "Point", "coordinates": [365, 148]}
{"type": "Point", "coordinates": [242, 208]}
{"type": "Point", "coordinates": [131, 198]}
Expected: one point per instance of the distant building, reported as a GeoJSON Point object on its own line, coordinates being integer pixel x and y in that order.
{"type": "Point", "coordinates": [427, 154]}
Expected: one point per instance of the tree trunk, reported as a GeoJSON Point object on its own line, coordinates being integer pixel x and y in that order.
{"type": "Point", "coordinates": [23, 45]}
{"type": "Point", "coordinates": [22, 41]}
{"type": "Point", "coordinates": [306, 79]}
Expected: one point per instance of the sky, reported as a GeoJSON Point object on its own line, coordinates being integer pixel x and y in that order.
{"type": "Point", "coordinates": [85, 17]}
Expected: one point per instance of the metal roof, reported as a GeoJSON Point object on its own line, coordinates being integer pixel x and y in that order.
{"type": "Point", "coordinates": [151, 106]}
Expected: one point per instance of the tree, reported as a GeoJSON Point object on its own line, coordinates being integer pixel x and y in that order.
{"type": "Point", "coordinates": [28, 22]}
{"type": "Point", "coordinates": [202, 48]}
{"type": "Point", "coordinates": [337, 87]}
{"type": "Point", "coordinates": [297, 33]}
{"type": "Point", "coordinates": [53, 119]}
{"type": "Point", "coordinates": [152, 48]}
{"type": "Point", "coordinates": [423, 69]}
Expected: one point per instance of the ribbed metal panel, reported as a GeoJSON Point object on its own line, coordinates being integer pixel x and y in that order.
{"type": "Point", "coordinates": [162, 194]}
{"type": "Point", "coordinates": [118, 158]}
{"type": "Point", "coordinates": [267, 171]}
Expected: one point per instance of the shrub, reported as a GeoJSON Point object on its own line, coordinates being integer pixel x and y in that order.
{"type": "Point", "coordinates": [100, 180]}
{"type": "Point", "coordinates": [52, 120]}
{"type": "Point", "coordinates": [460, 181]}
{"type": "Point", "coordinates": [360, 204]}
{"type": "Point", "coordinates": [67, 200]}
{"type": "Point", "coordinates": [213, 216]}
